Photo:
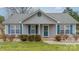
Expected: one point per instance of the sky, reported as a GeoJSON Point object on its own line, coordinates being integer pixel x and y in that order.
{"type": "Point", "coordinates": [3, 11]}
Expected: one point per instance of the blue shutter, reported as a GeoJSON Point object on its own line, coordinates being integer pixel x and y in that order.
{"type": "Point", "coordinates": [71, 29]}
{"type": "Point", "coordinates": [58, 29]}
{"type": "Point", "coordinates": [20, 28]}
{"type": "Point", "coordinates": [8, 28]}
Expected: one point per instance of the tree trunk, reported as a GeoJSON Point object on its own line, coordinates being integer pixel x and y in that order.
{"type": "Point", "coordinates": [3, 35]}
{"type": "Point", "coordinates": [2, 32]}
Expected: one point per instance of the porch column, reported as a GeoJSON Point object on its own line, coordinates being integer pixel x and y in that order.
{"type": "Point", "coordinates": [56, 28]}
{"type": "Point", "coordinates": [39, 29]}
{"type": "Point", "coordinates": [22, 28]}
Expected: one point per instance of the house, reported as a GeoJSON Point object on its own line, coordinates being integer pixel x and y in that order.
{"type": "Point", "coordinates": [40, 23]}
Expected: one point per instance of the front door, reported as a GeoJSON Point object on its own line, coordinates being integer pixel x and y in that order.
{"type": "Point", "coordinates": [45, 32]}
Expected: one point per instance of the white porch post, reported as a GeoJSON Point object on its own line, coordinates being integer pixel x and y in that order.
{"type": "Point", "coordinates": [56, 29]}
{"type": "Point", "coordinates": [64, 30]}
{"type": "Point", "coordinates": [39, 29]}
{"type": "Point", "coordinates": [22, 28]}
{"type": "Point", "coordinates": [75, 29]}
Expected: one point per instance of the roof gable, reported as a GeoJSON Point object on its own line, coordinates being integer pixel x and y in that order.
{"type": "Point", "coordinates": [43, 19]}
{"type": "Point", "coordinates": [36, 13]}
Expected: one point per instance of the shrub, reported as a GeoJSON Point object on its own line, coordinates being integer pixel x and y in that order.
{"type": "Point", "coordinates": [31, 37]}
{"type": "Point", "coordinates": [37, 38]}
{"type": "Point", "coordinates": [10, 37]}
{"type": "Point", "coordinates": [65, 37]}
{"type": "Point", "coordinates": [23, 37]}
{"type": "Point", "coordinates": [58, 37]}
{"type": "Point", "coordinates": [76, 37]}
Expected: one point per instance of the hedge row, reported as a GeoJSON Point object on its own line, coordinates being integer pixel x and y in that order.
{"type": "Point", "coordinates": [30, 37]}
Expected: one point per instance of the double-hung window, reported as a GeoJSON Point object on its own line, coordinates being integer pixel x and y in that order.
{"type": "Point", "coordinates": [67, 29]}
{"type": "Point", "coordinates": [61, 29]}
{"type": "Point", "coordinates": [17, 29]}
{"type": "Point", "coordinates": [12, 29]}
{"type": "Point", "coordinates": [64, 29]}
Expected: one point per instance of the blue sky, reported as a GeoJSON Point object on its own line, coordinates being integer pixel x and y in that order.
{"type": "Point", "coordinates": [46, 9]}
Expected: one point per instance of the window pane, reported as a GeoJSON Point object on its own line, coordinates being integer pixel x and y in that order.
{"type": "Point", "coordinates": [17, 29]}
{"type": "Point", "coordinates": [67, 29]}
{"type": "Point", "coordinates": [12, 29]}
{"type": "Point", "coordinates": [61, 31]}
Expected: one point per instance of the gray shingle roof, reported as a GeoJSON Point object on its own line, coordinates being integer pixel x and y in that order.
{"type": "Point", "coordinates": [59, 17]}
{"type": "Point", "coordinates": [62, 17]}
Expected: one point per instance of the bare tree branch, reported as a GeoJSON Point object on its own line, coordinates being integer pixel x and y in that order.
{"type": "Point", "coordinates": [19, 10]}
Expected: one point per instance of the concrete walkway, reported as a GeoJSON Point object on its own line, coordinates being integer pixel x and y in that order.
{"type": "Point", "coordinates": [55, 42]}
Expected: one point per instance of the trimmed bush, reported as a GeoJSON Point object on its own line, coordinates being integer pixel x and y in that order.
{"type": "Point", "coordinates": [23, 37]}
{"type": "Point", "coordinates": [31, 38]}
{"type": "Point", "coordinates": [58, 37]}
{"type": "Point", "coordinates": [37, 38]}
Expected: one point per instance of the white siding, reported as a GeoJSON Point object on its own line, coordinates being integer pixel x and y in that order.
{"type": "Point", "coordinates": [43, 19]}
{"type": "Point", "coordinates": [52, 30]}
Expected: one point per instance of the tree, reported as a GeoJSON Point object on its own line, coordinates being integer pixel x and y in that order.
{"type": "Point", "coordinates": [19, 10]}
{"type": "Point", "coordinates": [70, 11]}
{"type": "Point", "coordinates": [74, 15]}
{"type": "Point", "coordinates": [2, 28]}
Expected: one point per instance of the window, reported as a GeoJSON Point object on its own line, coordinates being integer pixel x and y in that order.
{"type": "Point", "coordinates": [61, 29]}
{"type": "Point", "coordinates": [33, 29]}
{"type": "Point", "coordinates": [17, 29]}
{"type": "Point", "coordinates": [14, 29]}
{"type": "Point", "coordinates": [39, 14]}
{"type": "Point", "coordinates": [67, 29]}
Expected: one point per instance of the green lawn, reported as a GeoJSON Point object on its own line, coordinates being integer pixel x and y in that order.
{"type": "Point", "coordinates": [35, 46]}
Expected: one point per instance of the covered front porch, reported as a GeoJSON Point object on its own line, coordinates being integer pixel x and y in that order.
{"type": "Point", "coordinates": [45, 30]}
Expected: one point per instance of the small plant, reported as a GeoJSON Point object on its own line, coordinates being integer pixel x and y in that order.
{"type": "Point", "coordinates": [58, 37]}
{"type": "Point", "coordinates": [37, 38]}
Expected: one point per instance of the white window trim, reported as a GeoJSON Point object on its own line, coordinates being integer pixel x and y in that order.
{"type": "Point", "coordinates": [65, 29]}
{"type": "Point", "coordinates": [14, 30]}
{"type": "Point", "coordinates": [43, 30]}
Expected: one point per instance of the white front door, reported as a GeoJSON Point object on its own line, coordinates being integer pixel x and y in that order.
{"type": "Point", "coordinates": [46, 30]}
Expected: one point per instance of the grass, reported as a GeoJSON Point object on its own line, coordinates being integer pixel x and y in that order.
{"type": "Point", "coordinates": [36, 46]}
